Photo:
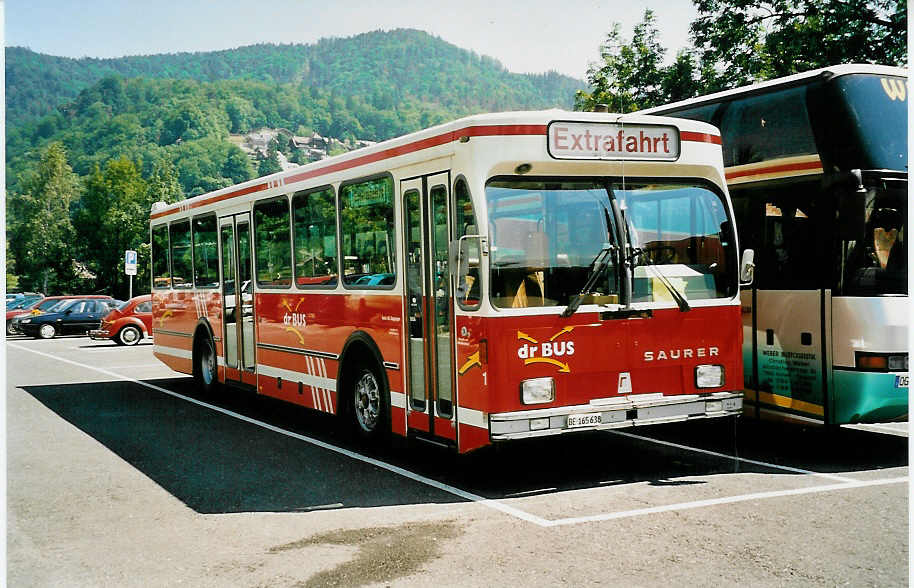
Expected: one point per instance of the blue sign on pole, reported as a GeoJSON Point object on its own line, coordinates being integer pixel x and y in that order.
{"type": "Point", "coordinates": [130, 262]}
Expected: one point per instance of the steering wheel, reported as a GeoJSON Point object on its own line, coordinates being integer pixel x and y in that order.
{"type": "Point", "coordinates": [662, 255]}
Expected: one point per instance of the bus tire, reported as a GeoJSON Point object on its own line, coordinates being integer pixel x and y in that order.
{"type": "Point", "coordinates": [369, 402]}
{"type": "Point", "coordinates": [205, 371]}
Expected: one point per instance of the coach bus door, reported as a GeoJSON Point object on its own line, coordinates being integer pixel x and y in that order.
{"type": "Point", "coordinates": [788, 321]}
{"type": "Point", "coordinates": [429, 307]}
{"type": "Point", "coordinates": [238, 299]}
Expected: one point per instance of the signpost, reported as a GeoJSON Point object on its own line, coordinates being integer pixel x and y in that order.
{"type": "Point", "coordinates": [130, 267]}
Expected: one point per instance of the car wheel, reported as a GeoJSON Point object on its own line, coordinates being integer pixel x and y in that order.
{"type": "Point", "coordinates": [47, 331]}
{"type": "Point", "coordinates": [369, 403]}
{"type": "Point", "coordinates": [10, 330]}
{"type": "Point", "coordinates": [129, 335]}
{"type": "Point", "coordinates": [205, 365]}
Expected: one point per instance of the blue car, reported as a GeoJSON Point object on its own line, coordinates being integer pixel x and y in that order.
{"type": "Point", "coordinates": [68, 317]}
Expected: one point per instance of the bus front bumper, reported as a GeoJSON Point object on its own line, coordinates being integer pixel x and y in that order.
{"type": "Point", "coordinates": [614, 413]}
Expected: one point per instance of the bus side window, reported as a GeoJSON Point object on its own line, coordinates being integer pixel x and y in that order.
{"type": "Point", "coordinates": [790, 241]}
{"type": "Point", "coordinates": [469, 285]}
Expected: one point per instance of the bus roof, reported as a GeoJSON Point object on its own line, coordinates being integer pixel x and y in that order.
{"type": "Point", "coordinates": [529, 123]}
{"type": "Point", "coordinates": [787, 81]}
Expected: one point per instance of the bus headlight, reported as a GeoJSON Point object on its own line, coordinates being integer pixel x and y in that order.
{"type": "Point", "coordinates": [709, 376]}
{"type": "Point", "coordinates": [537, 391]}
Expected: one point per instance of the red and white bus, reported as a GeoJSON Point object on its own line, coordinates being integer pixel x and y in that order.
{"type": "Point", "coordinates": [499, 277]}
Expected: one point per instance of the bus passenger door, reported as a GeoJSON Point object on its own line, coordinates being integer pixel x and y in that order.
{"type": "Point", "coordinates": [429, 307]}
{"type": "Point", "coordinates": [238, 299]}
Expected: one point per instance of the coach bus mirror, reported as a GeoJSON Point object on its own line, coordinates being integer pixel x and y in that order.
{"type": "Point", "coordinates": [747, 268]}
{"type": "Point", "coordinates": [852, 213]}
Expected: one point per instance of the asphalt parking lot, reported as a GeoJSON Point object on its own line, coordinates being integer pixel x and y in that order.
{"type": "Point", "coordinates": [120, 473]}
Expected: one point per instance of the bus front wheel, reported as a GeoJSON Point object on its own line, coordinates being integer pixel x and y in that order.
{"type": "Point", "coordinates": [369, 402]}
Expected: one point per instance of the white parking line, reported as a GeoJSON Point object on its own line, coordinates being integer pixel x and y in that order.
{"type": "Point", "coordinates": [743, 459]}
{"type": "Point", "coordinates": [897, 429]}
{"type": "Point", "coordinates": [846, 483]}
{"type": "Point", "coordinates": [493, 504]}
{"type": "Point", "coordinates": [724, 500]}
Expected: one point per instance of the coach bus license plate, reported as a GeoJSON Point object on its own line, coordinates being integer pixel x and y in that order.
{"type": "Point", "coordinates": [584, 420]}
{"type": "Point", "coordinates": [900, 382]}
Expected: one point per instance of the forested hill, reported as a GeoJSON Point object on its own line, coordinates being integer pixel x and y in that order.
{"type": "Point", "coordinates": [380, 67]}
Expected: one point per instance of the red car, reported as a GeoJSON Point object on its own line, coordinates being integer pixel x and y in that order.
{"type": "Point", "coordinates": [128, 323]}
{"type": "Point", "coordinates": [42, 304]}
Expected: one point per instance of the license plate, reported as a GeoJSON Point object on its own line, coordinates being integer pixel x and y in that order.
{"type": "Point", "coordinates": [901, 381]}
{"type": "Point", "coordinates": [584, 420]}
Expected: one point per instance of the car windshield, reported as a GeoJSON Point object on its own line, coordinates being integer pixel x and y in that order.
{"type": "Point", "coordinates": [60, 306]}
{"type": "Point", "coordinates": [546, 234]}
{"type": "Point", "coordinates": [19, 303]}
{"type": "Point", "coordinates": [123, 306]}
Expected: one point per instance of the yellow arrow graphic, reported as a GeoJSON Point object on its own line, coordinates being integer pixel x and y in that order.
{"type": "Point", "coordinates": [471, 361]}
{"type": "Point", "coordinates": [560, 333]}
{"type": "Point", "coordinates": [563, 367]}
{"type": "Point", "coordinates": [301, 339]}
{"type": "Point", "coordinates": [164, 316]}
{"type": "Point", "coordinates": [522, 335]}
{"type": "Point", "coordinates": [285, 303]}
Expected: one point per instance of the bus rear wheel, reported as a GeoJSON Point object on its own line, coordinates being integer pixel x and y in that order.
{"type": "Point", "coordinates": [370, 403]}
{"type": "Point", "coordinates": [204, 359]}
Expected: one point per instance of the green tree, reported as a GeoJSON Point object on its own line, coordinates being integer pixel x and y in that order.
{"type": "Point", "coordinates": [629, 76]}
{"type": "Point", "coordinates": [42, 235]}
{"type": "Point", "coordinates": [113, 216]}
{"type": "Point", "coordinates": [742, 41]}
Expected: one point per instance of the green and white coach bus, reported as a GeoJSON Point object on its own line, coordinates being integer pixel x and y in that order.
{"type": "Point", "coordinates": [816, 164]}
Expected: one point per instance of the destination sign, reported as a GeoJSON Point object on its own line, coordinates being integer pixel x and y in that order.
{"type": "Point", "coordinates": [588, 140]}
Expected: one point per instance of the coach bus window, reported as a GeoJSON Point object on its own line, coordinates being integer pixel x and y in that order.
{"type": "Point", "coordinates": [206, 255]}
{"type": "Point", "coordinates": [160, 274]}
{"type": "Point", "coordinates": [766, 127]}
{"type": "Point", "coordinates": [181, 255]}
{"type": "Point", "coordinates": [469, 287]}
{"type": "Point", "coordinates": [272, 245]}
{"type": "Point", "coordinates": [367, 220]}
{"type": "Point", "coordinates": [314, 228]}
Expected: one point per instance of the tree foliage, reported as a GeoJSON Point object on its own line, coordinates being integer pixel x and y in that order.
{"type": "Point", "coordinates": [738, 42]}
{"type": "Point", "coordinates": [39, 217]}
{"type": "Point", "coordinates": [631, 76]}
{"type": "Point", "coordinates": [742, 41]}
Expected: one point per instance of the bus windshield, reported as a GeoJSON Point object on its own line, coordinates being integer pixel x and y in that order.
{"type": "Point", "coordinates": [877, 264]}
{"type": "Point", "coordinates": [869, 122]}
{"type": "Point", "coordinates": [546, 233]}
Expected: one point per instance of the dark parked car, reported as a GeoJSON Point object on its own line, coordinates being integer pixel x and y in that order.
{"type": "Point", "coordinates": [43, 304]}
{"type": "Point", "coordinates": [69, 317]}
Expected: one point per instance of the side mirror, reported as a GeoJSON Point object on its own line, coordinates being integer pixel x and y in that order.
{"type": "Point", "coordinates": [852, 214]}
{"type": "Point", "coordinates": [851, 196]}
{"type": "Point", "coordinates": [747, 268]}
{"type": "Point", "coordinates": [68, 311]}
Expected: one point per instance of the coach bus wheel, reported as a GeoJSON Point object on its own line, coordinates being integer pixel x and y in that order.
{"type": "Point", "coordinates": [129, 335]}
{"type": "Point", "coordinates": [369, 402]}
{"type": "Point", "coordinates": [205, 365]}
{"type": "Point", "coordinates": [47, 331]}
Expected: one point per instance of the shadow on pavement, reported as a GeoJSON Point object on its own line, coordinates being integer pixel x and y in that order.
{"type": "Point", "coordinates": [218, 464]}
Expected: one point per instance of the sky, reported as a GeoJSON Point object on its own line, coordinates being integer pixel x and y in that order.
{"type": "Point", "coordinates": [533, 36]}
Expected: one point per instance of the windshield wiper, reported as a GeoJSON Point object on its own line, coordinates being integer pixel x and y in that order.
{"type": "Point", "coordinates": [599, 263]}
{"type": "Point", "coordinates": [674, 292]}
